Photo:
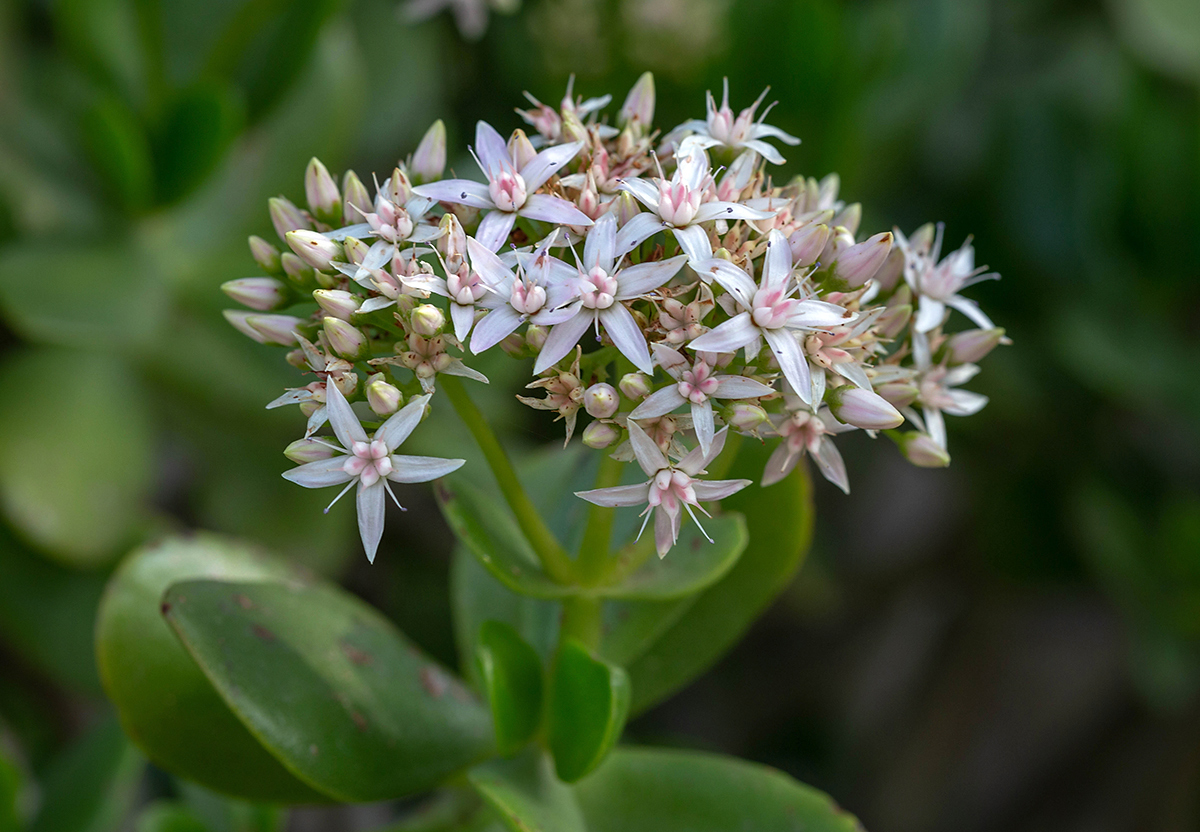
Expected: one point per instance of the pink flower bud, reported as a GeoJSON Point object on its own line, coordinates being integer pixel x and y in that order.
{"type": "Point", "coordinates": [336, 302]}
{"type": "Point", "coordinates": [514, 345]}
{"type": "Point", "coordinates": [535, 337]}
{"type": "Point", "coordinates": [634, 386]}
{"type": "Point", "coordinates": [314, 249]}
{"type": "Point", "coordinates": [858, 264]}
{"type": "Point", "coordinates": [638, 109]}
{"type": "Point", "coordinates": [265, 255]}
{"type": "Point", "coordinates": [894, 320]}
{"type": "Point", "coordinates": [324, 198]}
{"type": "Point", "coordinates": [427, 320]}
{"type": "Point", "coordinates": [922, 451]}
{"type": "Point", "coordinates": [746, 418]}
{"type": "Point", "coordinates": [600, 435]}
{"type": "Point", "coordinates": [862, 408]}
{"type": "Point", "coordinates": [295, 268]}
{"type": "Point", "coordinates": [260, 293]}
{"type": "Point", "coordinates": [601, 400]}
{"type": "Point", "coordinates": [898, 393]}
{"type": "Point", "coordinates": [429, 160]}
{"type": "Point", "coordinates": [973, 344]}
{"type": "Point", "coordinates": [307, 450]}
{"type": "Point", "coordinates": [807, 242]}
{"type": "Point", "coordinates": [356, 197]}
{"type": "Point", "coordinates": [237, 318]}
{"type": "Point", "coordinates": [355, 250]}
{"type": "Point", "coordinates": [344, 339]}
{"type": "Point", "coordinates": [383, 398]}
{"type": "Point", "coordinates": [891, 270]}
{"type": "Point", "coordinates": [276, 329]}
{"type": "Point", "coordinates": [625, 207]}
{"type": "Point", "coordinates": [848, 218]}
{"type": "Point", "coordinates": [521, 149]}
{"type": "Point", "coordinates": [286, 217]}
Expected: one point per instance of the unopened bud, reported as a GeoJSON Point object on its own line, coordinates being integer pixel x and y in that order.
{"type": "Point", "coordinates": [308, 450]}
{"type": "Point", "coordinates": [858, 264]}
{"type": "Point", "coordinates": [313, 248]}
{"type": "Point", "coordinates": [295, 268]}
{"type": "Point", "coordinates": [276, 329]}
{"type": "Point", "coordinates": [514, 345]}
{"type": "Point", "coordinates": [453, 242]}
{"type": "Point", "coordinates": [286, 217]}
{"type": "Point", "coordinates": [746, 418]}
{"type": "Point", "coordinates": [807, 243]}
{"type": "Point", "coordinates": [922, 451]}
{"type": "Point", "coordinates": [600, 435]}
{"type": "Point", "coordinates": [427, 320]}
{"type": "Point", "coordinates": [634, 386]}
{"type": "Point", "coordinates": [891, 270]}
{"type": "Point", "coordinates": [237, 318]}
{"type": "Point", "coordinates": [973, 344]}
{"type": "Point", "coordinates": [344, 339]}
{"type": "Point", "coordinates": [337, 302]}
{"type": "Point", "coordinates": [535, 337]}
{"type": "Point", "coordinates": [840, 240]}
{"type": "Point", "coordinates": [601, 400]}
{"type": "Point", "coordinates": [321, 191]}
{"type": "Point", "coordinates": [894, 320]}
{"type": "Point", "coordinates": [355, 250]}
{"type": "Point", "coordinates": [346, 382]}
{"type": "Point", "coordinates": [383, 398]}
{"type": "Point", "coordinates": [625, 207]}
{"type": "Point", "coordinates": [849, 217]}
{"type": "Point", "coordinates": [862, 408]}
{"type": "Point", "coordinates": [638, 109]}
{"type": "Point", "coordinates": [260, 293]}
{"type": "Point", "coordinates": [357, 198]}
{"type": "Point", "coordinates": [898, 393]}
{"type": "Point", "coordinates": [429, 160]}
{"type": "Point", "coordinates": [265, 255]}
{"type": "Point", "coordinates": [521, 149]}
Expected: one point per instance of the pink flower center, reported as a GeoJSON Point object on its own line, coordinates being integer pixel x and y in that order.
{"type": "Point", "coordinates": [803, 431]}
{"type": "Point", "coordinates": [527, 298]}
{"type": "Point", "coordinates": [507, 190]}
{"type": "Point", "coordinates": [770, 308]}
{"type": "Point", "coordinates": [670, 488]}
{"type": "Point", "coordinates": [677, 204]}
{"type": "Point", "coordinates": [598, 289]}
{"type": "Point", "coordinates": [370, 462]}
{"type": "Point", "coordinates": [697, 384]}
{"type": "Point", "coordinates": [390, 223]}
{"type": "Point", "coordinates": [465, 287]}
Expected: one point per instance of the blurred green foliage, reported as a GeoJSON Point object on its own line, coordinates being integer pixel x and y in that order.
{"type": "Point", "coordinates": [139, 140]}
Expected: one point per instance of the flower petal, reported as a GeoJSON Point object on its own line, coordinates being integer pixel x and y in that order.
{"type": "Point", "coordinates": [637, 231]}
{"type": "Point", "coordinates": [402, 423]}
{"type": "Point", "coordinates": [320, 474]}
{"type": "Point", "coordinates": [777, 265]}
{"type": "Point", "coordinates": [463, 317]}
{"type": "Point", "coordinates": [810, 314]}
{"type": "Point", "coordinates": [457, 192]}
{"type": "Point", "coordinates": [600, 248]}
{"type": "Point", "coordinates": [649, 456]}
{"type": "Point", "coordinates": [740, 387]}
{"type": "Point", "coordinates": [729, 336]}
{"type": "Point", "coordinates": [636, 281]}
{"type": "Point", "coordinates": [707, 490]}
{"type": "Point", "coordinates": [370, 517]}
{"type": "Point", "coordinates": [659, 403]}
{"type": "Point", "coordinates": [643, 191]}
{"type": "Point", "coordinates": [791, 360]}
{"type": "Point", "coordinates": [494, 328]}
{"type": "Point", "coordinates": [829, 460]}
{"type": "Point", "coordinates": [694, 241]}
{"type": "Point", "coordinates": [626, 335]}
{"type": "Point", "coordinates": [491, 269]}
{"type": "Point", "coordinates": [730, 211]}
{"type": "Point", "coordinates": [780, 464]}
{"type": "Point", "coordinates": [733, 280]}
{"type": "Point", "coordinates": [929, 314]}
{"type": "Point", "coordinates": [492, 151]}
{"type": "Point", "coordinates": [421, 468]}
{"type": "Point", "coordinates": [553, 209]}
{"type": "Point", "coordinates": [494, 229]}
{"type": "Point", "coordinates": [702, 423]}
{"type": "Point", "coordinates": [546, 163]}
{"type": "Point", "coordinates": [562, 339]}
{"type": "Point", "coordinates": [619, 496]}
{"type": "Point", "coordinates": [341, 417]}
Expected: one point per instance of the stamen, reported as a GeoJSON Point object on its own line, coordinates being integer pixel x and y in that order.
{"type": "Point", "coordinates": [341, 494]}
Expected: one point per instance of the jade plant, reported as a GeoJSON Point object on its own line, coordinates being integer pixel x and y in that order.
{"type": "Point", "coordinates": [712, 327]}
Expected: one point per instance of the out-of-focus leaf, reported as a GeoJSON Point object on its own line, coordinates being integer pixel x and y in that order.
{"type": "Point", "coordinates": [1164, 33]}
{"type": "Point", "coordinates": [224, 814]}
{"type": "Point", "coordinates": [103, 36]}
{"type": "Point", "coordinates": [103, 296]}
{"type": "Point", "coordinates": [491, 534]}
{"type": "Point", "coordinates": [46, 615]}
{"type": "Point", "coordinates": [119, 150]}
{"type": "Point", "coordinates": [12, 784]}
{"type": "Point", "coordinates": [589, 700]}
{"type": "Point", "coordinates": [75, 450]}
{"type": "Point", "coordinates": [91, 786]}
{"type": "Point", "coordinates": [198, 128]}
{"type": "Point", "coordinates": [169, 816]}
{"type": "Point", "coordinates": [526, 795]}
{"type": "Point", "coordinates": [652, 790]}
{"type": "Point", "coordinates": [166, 704]}
{"type": "Point", "coordinates": [330, 686]}
{"type": "Point", "coordinates": [779, 519]}
{"type": "Point", "coordinates": [511, 673]}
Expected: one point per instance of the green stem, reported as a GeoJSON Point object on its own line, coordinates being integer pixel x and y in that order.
{"type": "Point", "coordinates": [592, 565]}
{"type": "Point", "coordinates": [554, 559]}
{"type": "Point", "coordinates": [582, 619]}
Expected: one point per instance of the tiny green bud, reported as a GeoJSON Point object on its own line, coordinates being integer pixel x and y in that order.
{"type": "Point", "coordinates": [337, 302]}
{"type": "Point", "coordinates": [427, 320]}
{"type": "Point", "coordinates": [296, 269]}
{"type": "Point", "coordinates": [535, 337]}
{"type": "Point", "coordinates": [384, 398]}
{"type": "Point", "coordinates": [321, 191]}
{"type": "Point", "coordinates": [355, 250]}
{"type": "Point", "coordinates": [429, 159]}
{"type": "Point", "coordinates": [638, 109]}
{"type": "Point", "coordinates": [600, 435]}
{"type": "Point", "coordinates": [634, 386]}
{"type": "Point", "coordinates": [746, 418]}
{"type": "Point", "coordinates": [921, 450]}
{"type": "Point", "coordinates": [344, 339]}
{"type": "Point", "coordinates": [862, 408]}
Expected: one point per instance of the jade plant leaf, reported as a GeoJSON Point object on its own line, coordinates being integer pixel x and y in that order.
{"type": "Point", "coordinates": [589, 700]}
{"type": "Point", "coordinates": [511, 674]}
{"type": "Point", "coordinates": [527, 796]}
{"type": "Point", "coordinates": [330, 686]}
{"type": "Point", "coordinates": [656, 790]}
{"type": "Point", "coordinates": [166, 704]}
{"type": "Point", "coordinates": [12, 786]}
{"type": "Point", "coordinates": [491, 534]}
{"type": "Point", "coordinates": [92, 784]}
{"type": "Point", "coordinates": [779, 519]}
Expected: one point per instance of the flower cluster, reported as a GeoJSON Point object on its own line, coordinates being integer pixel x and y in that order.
{"type": "Point", "coordinates": [663, 284]}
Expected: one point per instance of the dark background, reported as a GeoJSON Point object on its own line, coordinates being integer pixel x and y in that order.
{"type": "Point", "coordinates": [1011, 643]}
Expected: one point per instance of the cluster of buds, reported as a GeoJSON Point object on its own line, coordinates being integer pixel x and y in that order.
{"type": "Point", "coordinates": [662, 285]}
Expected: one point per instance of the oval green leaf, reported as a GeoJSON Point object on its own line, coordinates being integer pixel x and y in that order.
{"type": "Point", "coordinates": [511, 674]}
{"type": "Point", "coordinates": [330, 686]}
{"type": "Point", "coordinates": [653, 790]}
{"type": "Point", "coordinates": [527, 796]}
{"type": "Point", "coordinates": [166, 704]}
{"type": "Point", "coordinates": [589, 700]}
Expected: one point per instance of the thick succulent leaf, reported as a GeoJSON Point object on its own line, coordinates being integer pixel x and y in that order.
{"type": "Point", "coordinates": [589, 700]}
{"type": "Point", "coordinates": [75, 464]}
{"type": "Point", "coordinates": [199, 126]}
{"type": "Point", "coordinates": [655, 790]}
{"type": "Point", "coordinates": [691, 565]}
{"type": "Point", "coordinates": [166, 704]}
{"type": "Point", "coordinates": [91, 785]}
{"type": "Point", "coordinates": [490, 532]}
{"type": "Point", "coordinates": [527, 796]}
{"type": "Point", "coordinates": [330, 687]}
{"type": "Point", "coordinates": [779, 519]}
{"type": "Point", "coordinates": [511, 676]}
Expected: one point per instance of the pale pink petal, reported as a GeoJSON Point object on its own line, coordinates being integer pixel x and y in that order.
{"type": "Point", "coordinates": [777, 266]}
{"type": "Point", "coordinates": [649, 456]}
{"type": "Point", "coordinates": [618, 497]}
{"type": "Point", "coordinates": [421, 468]}
{"type": "Point", "coordinates": [729, 336]}
{"type": "Point", "coordinates": [370, 517]}
{"type": "Point", "coordinates": [562, 339]}
{"type": "Point", "coordinates": [457, 192]}
{"type": "Point", "coordinates": [816, 313]}
{"type": "Point", "coordinates": [791, 360]}
{"type": "Point", "coordinates": [740, 387]}
{"type": "Point", "coordinates": [965, 403]}
{"type": "Point", "coordinates": [733, 280]}
{"type": "Point", "coordinates": [642, 190]}
{"type": "Point", "coordinates": [929, 314]}
{"type": "Point", "coordinates": [666, 531]}
{"type": "Point", "coordinates": [659, 403]}
{"type": "Point", "coordinates": [969, 308]}
{"type": "Point", "coordinates": [341, 417]}
{"type": "Point", "coordinates": [730, 211]}
{"type": "Point", "coordinates": [547, 163]}
{"type": "Point", "coordinates": [494, 229]}
{"type": "Point", "coordinates": [402, 423]}
{"type": "Point", "coordinates": [637, 231]}
{"type": "Point", "coordinates": [554, 209]}
{"type": "Point", "coordinates": [780, 464]}
{"type": "Point", "coordinates": [492, 151]}
{"type": "Point", "coordinates": [694, 241]}
{"type": "Point", "coordinates": [600, 248]}
{"type": "Point", "coordinates": [707, 490]}
{"type": "Point", "coordinates": [829, 461]}
{"type": "Point", "coordinates": [463, 317]}
{"type": "Point", "coordinates": [702, 423]}
{"type": "Point", "coordinates": [320, 474]}
{"type": "Point", "coordinates": [636, 281]}
{"type": "Point", "coordinates": [494, 328]}
{"type": "Point", "coordinates": [491, 268]}
{"type": "Point", "coordinates": [765, 150]}
{"type": "Point", "coordinates": [626, 335]}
